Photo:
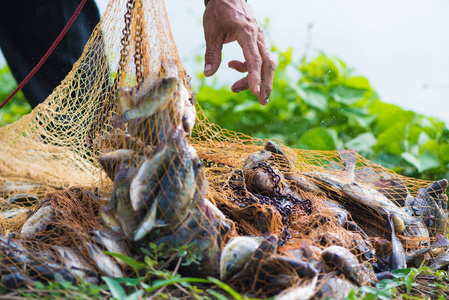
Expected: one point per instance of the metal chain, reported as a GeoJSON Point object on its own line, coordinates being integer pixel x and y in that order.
{"type": "Point", "coordinates": [138, 43]}
{"type": "Point", "coordinates": [125, 43]}
{"type": "Point", "coordinates": [278, 200]}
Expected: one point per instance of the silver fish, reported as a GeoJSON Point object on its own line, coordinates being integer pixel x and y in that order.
{"type": "Point", "coordinates": [38, 222]}
{"type": "Point", "coordinates": [371, 198]}
{"type": "Point", "coordinates": [105, 263]}
{"type": "Point", "coordinates": [14, 212]}
{"type": "Point", "coordinates": [112, 243]}
{"type": "Point", "coordinates": [77, 264]}
{"type": "Point", "coordinates": [302, 182]}
{"type": "Point", "coordinates": [429, 209]}
{"type": "Point", "coordinates": [397, 256]}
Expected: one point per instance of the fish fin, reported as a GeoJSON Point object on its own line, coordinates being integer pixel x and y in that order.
{"type": "Point", "coordinates": [422, 194]}
{"type": "Point", "coordinates": [349, 158]}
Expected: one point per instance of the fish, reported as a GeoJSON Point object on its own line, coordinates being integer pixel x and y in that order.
{"type": "Point", "coordinates": [267, 271]}
{"type": "Point", "coordinates": [371, 198]}
{"type": "Point", "coordinates": [181, 187]}
{"type": "Point", "coordinates": [255, 159]}
{"type": "Point", "coordinates": [346, 262]}
{"type": "Point", "coordinates": [236, 254]}
{"type": "Point", "coordinates": [148, 99]}
{"type": "Point", "coordinates": [278, 156]}
{"type": "Point", "coordinates": [38, 222]}
{"type": "Point", "coordinates": [146, 184]}
{"type": "Point", "coordinates": [308, 253]}
{"type": "Point", "coordinates": [112, 160]}
{"type": "Point", "coordinates": [394, 189]}
{"type": "Point", "coordinates": [15, 212]}
{"type": "Point", "coordinates": [397, 256]}
{"type": "Point", "coordinates": [120, 202]}
{"type": "Point", "coordinates": [442, 201]}
{"type": "Point", "coordinates": [302, 182]}
{"type": "Point", "coordinates": [349, 158]}
{"type": "Point", "coordinates": [333, 182]}
{"type": "Point", "coordinates": [366, 175]}
{"type": "Point", "coordinates": [112, 242]}
{"type": "Point", "coordinates": [16, 280]}
{"type": "Point", "coordinates": [437, 188]}
{"type": "Point", "coordinates": [440, 262]}
{"type": "Point", "coordinates": [184, 98]}
{"type": "Point", "coordinates": [332, 286]}
{"type": "Point", "coordinates": [303, 292]}
{"type": "Point", "coordinates": [105, 263]}
{"type": "Point", "coordinates": [23, 200]}
{"type": "Point", "coordinates": [204, 231]}
{"type": "Point", "coordinates": [76, 264]}
{"type": "Point", "coordinates": [417, 256]}
{"type": "Point", "coordinates": [424, 205]}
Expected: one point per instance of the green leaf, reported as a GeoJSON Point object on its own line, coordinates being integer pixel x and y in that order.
{"type": "Point", "coordinates": [428, 161]}
{"type": "Point", "coordinates": [226, 288]}
{"type": "Point", "coordinates": [312, 97]}
{"type": "Point", "coordinates": [319, 138]}
{"type": "Point", "coordinates": [248, 105]}
{"type": "Point", "coordinates": [413, 160]}
{"type": "Point", "coordinates": [115, 288]}
{"type": "Point", "coordinates": [157, 284]}
{"type": "Point", "coordinates": [137, 266]}
{"type": "Point", "coordinates": [347, 95]}
{"type": "Point", "coordinates": [136, 295]}
{"type": "Point", "coordinates": [218, 296]}
{"type": "Point", "coordinates": [358, 82]}
{"type": "Point", "coordinates": [129, 281]}
{"type": "Point", "coordinates": [363, 143]}
{"type": "Point", "coordinates": [388, 284]}
{"type": "Point", "coordinates": [389, 140]}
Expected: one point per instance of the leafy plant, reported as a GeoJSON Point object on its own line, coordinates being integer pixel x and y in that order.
{"type": "Point", "coordinates": [18, 105]}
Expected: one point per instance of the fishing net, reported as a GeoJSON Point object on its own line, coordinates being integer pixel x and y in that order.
{"type": "Point", "coordinates": [120, 158]}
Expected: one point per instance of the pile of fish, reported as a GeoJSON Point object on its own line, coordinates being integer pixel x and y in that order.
{"type": "Point", "coordinates": [159, 197]}
{"type": "Point", "coordinates": [403, 222]}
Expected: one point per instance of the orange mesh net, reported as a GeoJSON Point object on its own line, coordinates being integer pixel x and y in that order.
{"type": "Point", "coordinates": [119, 156]}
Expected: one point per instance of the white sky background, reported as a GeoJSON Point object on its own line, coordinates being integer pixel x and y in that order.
{"type": "Point", "coordinates": [399, 45]}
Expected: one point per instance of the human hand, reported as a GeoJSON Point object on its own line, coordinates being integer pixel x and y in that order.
{"type": "Point", "coordinates": [226, 21]}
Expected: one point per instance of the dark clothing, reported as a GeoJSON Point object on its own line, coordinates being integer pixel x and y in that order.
{"type": "Point", "coordinates": [27, 30]}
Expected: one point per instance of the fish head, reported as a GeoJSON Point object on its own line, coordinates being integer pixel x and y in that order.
{"type": "Point", "coordinates": [254, 159]}
{"type": "Point", "coordinates": [124, 96]}
{"type": "Point", "coordinates": [236, 254]}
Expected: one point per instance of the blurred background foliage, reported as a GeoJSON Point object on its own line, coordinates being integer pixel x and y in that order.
{"type": "Point", "coordinates": [317, 103]}
{"type": "Point", "coordinates": [322, 103]}
{"type": "Point", "coordinates": [18, 105]}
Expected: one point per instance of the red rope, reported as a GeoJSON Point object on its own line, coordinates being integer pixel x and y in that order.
{"type": "Point", "coordinates": [44, 58]}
